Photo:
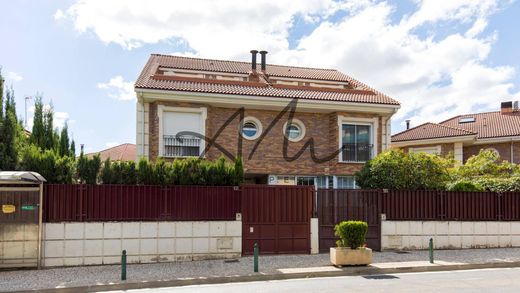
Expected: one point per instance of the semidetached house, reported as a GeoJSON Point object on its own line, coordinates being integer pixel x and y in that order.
{"type": "Point", "coordinates": [465, 135]}
{"type": "Point", "coordinates": [291, 125]}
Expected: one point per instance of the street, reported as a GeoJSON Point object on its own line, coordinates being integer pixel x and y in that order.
{"type": "Point", "coordinates": [485, 280]}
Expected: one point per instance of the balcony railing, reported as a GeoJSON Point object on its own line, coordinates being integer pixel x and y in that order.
{"type": "Point", "coordinates": [356, 152]}
{"type": "Point", "coordinates": [187, 146]}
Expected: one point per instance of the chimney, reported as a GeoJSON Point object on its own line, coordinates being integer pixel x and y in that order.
{"type": "Point", "coordinates": [262, 55]}
{"type": "Point", "coordinates": [506, 108]}
{"type": "Point", "coordinates": [407, 124]}
{"type": "Point", "coordinates": [82, 146]}
{"type": "Point", "coordinates": [253, 59]}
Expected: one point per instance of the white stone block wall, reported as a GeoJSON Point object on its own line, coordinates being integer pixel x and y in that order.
{"type": "Point", "coordinates": [70, 244]}
{"type": "Point", "coordinates": [410, 235]}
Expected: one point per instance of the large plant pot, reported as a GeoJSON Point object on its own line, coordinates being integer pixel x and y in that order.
{"type": "Point", "coordinates": [346, 256]}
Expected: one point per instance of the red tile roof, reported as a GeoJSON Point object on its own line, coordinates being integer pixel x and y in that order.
{"type": "Point", "coordinates": [430, 131]}
{"type": "Point", "coordinates": [149, 79]}
{"type": "Point", "coordinates": [123, 152]}
{"type": "Point", "coordinates": [489, 125]}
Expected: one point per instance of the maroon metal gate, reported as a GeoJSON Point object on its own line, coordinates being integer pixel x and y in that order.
{"type": "Point", "coordinates": [336, 205]}
{"type": "Point", "coordinates": [277, 218]}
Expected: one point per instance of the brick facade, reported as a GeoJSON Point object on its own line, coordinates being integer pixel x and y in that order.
{"type": "Point", "coordinates": [504, 150]}
{"type": "Point", "coordinates": [446, 148]}
{"type": "Point", "coordinates": [322, 133]}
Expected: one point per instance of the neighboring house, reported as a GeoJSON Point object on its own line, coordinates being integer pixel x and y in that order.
{"type": "Point", "coordinates": [345, 122]}
{"type": "Point", "coordinates": [122, 152]}
{"type": "Point", "coordinates": [466, 135]}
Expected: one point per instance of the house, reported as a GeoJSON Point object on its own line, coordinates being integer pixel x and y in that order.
{"type": "Point", "coordinates": [466, 135]}
{"type": "Point", "coordinates": [291, 125]}
{"type": "Point", "coordinates": [122, 152]}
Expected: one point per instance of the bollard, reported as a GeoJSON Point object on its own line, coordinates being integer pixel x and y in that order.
{"type": "Point", "coordinates": [431, 250]}
{"type": "Point", "coordinates": [123, 266]}
{"type": "Point", "coordinates": [255, 258]}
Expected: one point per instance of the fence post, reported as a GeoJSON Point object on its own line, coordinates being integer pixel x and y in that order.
{"type": "Point", "coordinates": [431, 250]}
{"type": "Point", "coordinates": [123, 266]}
{"type": "Point", "coordinates": [499, 206]}
{"type": "Point", "coordinates": [255, 257]}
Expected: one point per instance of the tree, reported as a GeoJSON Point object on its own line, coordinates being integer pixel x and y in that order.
{"type": "Point", "coordinates": [38, 130]}
{"type": "Point", "coordinates": [49, 138]}
{"type": "Point", "coordinates": [64, 147]}
{"type": "Point", "coordinates": [9, 134]}
{"type": "Point", "coordinates": [1, 97]}
{"type": "Point", "coordinates": [395, 169]}
{"type": "Point", "coordinates": [73, 149]}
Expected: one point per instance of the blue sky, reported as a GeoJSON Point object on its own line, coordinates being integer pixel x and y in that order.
{"type": "Point", "coordinates": [437, 60]}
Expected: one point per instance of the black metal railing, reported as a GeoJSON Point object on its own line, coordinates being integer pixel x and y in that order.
{"type": "Point", "coordinates": [356, 152]}
{"type": "Point", "coordinates": [186, 146]}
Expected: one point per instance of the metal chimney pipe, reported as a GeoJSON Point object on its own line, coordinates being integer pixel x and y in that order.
{"type": "Point", "coordinates": [262, 55]}
{"type": "Point", "coordinates": [407, 124]}
{"type": "Point", "coordinates": [253, 59]}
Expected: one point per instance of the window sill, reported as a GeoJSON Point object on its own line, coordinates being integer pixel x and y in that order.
{"type": "Point", "coordinates": [352, 162]}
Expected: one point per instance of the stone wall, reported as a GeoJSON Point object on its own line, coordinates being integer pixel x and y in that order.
{"type": "Point", "coordinates": [94, 243]}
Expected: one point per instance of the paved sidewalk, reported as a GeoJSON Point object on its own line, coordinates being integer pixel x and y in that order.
{"type": "Point", "coordinates": [282, 266]}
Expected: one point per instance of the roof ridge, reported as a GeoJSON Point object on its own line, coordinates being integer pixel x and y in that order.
{"type": "Point", "coordinates": [460, 115]}
{"type": "Point", "coordinates": [119, 145]}
{"type": "Point", "coordinates": [409, 129]}
{"type": "Point", "coordinates": [245, 62]}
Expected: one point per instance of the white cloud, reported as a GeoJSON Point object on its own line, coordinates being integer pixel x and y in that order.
{"type": "Point", "coordinates": [12, 76]}
{"type": "Point", "coordinates": [112, 144]}
{"type": "Point", "coordinates": [434, 60]}
{"type": "Point", "coordinates": [59, 15]}
{"type": "Point", "coordinates": [119, 89]}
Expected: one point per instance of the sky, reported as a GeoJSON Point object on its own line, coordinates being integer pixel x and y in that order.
{"type": "Point", "coordinates": [438, 58]}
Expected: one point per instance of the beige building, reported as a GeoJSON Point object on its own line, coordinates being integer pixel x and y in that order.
{"type": "Point", "coordinates": [189, 107]}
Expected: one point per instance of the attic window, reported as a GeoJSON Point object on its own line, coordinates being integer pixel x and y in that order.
{"type": "Point", "coordinates": [467, 120]}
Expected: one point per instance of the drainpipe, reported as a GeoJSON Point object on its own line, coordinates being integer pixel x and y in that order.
{"type": "Point", "coordinates": [512, 159]}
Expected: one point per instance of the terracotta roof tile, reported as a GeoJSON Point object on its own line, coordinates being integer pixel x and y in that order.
{"type": "Point", "coordinates": [123, 152]}
{"type": "Point", "coordinates": [489, 124]}
{"type": "Point", "coordinates": [430, 131]}
{"type": "Point", "coordinates": [361, 94]}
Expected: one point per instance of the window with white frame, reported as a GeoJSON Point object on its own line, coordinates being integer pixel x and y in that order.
{"type": "Point", "coordinates": [356, 142]}
{"type": "Point", "coordinates": [432, 150]}
{"type": "Point", "coordinates": [346, 182]}
{"type": "Point", "coordinates": [174, 121]}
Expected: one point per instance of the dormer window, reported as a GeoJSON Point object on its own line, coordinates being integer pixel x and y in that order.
{"type": "Point", "coordinates": [467, 120]}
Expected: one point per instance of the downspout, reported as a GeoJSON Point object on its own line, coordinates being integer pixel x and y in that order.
{"type": "Point", "coordinates": [512, 159]}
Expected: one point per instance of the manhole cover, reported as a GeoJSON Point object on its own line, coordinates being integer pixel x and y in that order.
{"type": "Point", "coordinates": [380, 277]}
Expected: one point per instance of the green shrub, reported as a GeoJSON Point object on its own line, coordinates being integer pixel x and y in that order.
{"type": "Point", "coordinates": [395, 169]}
{"type": "Point", "coordinates": [48, 163]}
{"type": "Point", "coordinates": [351, 233]}
{"type": "Point", "coordinates": [88, 169]}
{"type": "Point", "coordinates": [464, 185]}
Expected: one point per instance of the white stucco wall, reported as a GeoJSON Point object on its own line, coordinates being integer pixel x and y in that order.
{"type": "Point", "coordinates": [449, 234]}
{"type": "Point", "coordinates": [69, 244]}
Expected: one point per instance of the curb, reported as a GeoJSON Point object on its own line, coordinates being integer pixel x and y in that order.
{"type": "Point", "coordinates": [345, 271]}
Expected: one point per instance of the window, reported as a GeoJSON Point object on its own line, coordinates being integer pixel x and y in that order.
{"type": "Point", "coordinates": [305, 180]}
{"type": "Point", "coordinates": [294, 130]}
{"type": "Point", "coordinates": [348, 182]}
{"type": "Point", "coordinates": [356, 142]}
{"type": "Point", "coordinates": [175, 122]}
{"type": "Point", "coordinates": [251, 128]}
{"type": "Point", "coordinates": [467, 120]}
{"type": "Point", "coordinates": [434, 150]}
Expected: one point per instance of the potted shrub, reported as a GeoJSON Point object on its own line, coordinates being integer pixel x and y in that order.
{"type": "Point", "coordinates": [351, 250]}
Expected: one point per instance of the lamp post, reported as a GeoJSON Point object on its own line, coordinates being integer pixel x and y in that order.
{"type": "Point", "coordinates": [25, 121]}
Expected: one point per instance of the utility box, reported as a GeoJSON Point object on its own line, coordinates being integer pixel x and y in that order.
{"type": "Point", "coordinates": [21, 197]}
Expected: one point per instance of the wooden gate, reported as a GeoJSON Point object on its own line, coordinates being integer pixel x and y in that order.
{"type": "Point", "coordinates": [336, 205]}
{"type": "Point", "coordinates": [277, 218]}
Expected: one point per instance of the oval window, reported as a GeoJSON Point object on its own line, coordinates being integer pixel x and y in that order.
{"type": "Point", "coordinates": [251, 128]}
{"type": "Point", "coordinates": [294, 130]}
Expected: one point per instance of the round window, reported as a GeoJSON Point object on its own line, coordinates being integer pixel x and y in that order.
{"type": "Point", "coordinates": [294, 130]}
{"type": "Point", "coordinates": [251, 128]}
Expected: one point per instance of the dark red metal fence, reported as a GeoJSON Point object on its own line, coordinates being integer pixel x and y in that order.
{"type": "Point", "coordinates": [336, 205]}
{"type": "Point", "coordinates": [277, 218]}
{"type": "Point", "coordinates": [451, 205]}
{"type": "Point", "coordinates": [64, 202]}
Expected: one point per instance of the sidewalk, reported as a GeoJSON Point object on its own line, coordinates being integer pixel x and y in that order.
{"type": "Point", "coordinates": [271, 267]}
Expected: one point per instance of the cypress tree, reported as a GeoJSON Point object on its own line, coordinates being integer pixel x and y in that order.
{"type": "Point", "coordinates": [9, 159]}
{"type": "Point", "coordinates": [1, 97]}
{"type": "Point", "coordinates": [38, 131]}
{"type": "Point", "coordinates": [48, 129]}
{"type": "Point", "coordinates": [73, 149]}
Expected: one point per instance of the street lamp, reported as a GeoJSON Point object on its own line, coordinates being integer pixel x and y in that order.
{"type": "Point", "coordinates": [26, 98]}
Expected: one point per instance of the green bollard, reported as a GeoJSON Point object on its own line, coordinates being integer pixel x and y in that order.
{"type": "Point", "coordinates": [123, 266]}
{"type": "Point", "coordinates": [431, 250]}
{"type": "Point", "coordinates": [255, 258]}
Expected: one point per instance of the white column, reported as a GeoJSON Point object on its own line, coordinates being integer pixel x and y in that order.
{"type": "Point", "coordinates": [458, 151]}
{"type": "Point", "coordinates": [315, 239]}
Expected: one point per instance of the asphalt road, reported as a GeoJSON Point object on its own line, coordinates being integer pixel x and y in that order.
{"type": "Point", "coordinates": [486, 280]}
